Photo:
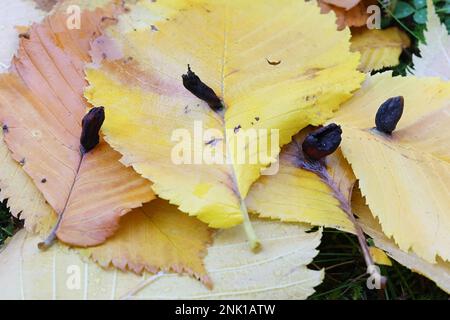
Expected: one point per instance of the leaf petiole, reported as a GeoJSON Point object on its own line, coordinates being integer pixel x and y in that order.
{"type": "Point", "coordinates": [48, 242]}
{"type": "Point", "coordinates": [254, 242]}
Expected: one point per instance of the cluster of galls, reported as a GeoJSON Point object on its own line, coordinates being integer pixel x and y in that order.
{"type": "Point", "coordinates": [324, 141]}
{"type": "Point", "coordinates": [320, 143]}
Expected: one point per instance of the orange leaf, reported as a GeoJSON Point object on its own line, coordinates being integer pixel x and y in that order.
{"type": "Point", "coordinates": [41, 107]}
{"type": "Point", "coordinates": [357, 16]}
{"type": "Point", "coordinates": [157, 237]}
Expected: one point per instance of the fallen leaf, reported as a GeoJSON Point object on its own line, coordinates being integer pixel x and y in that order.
{"type": "Point", "coordinates": [152, 238]}
{"type": "Point", "coordinates": [14, 13]}
{"type": "Point", "coordinates": [438, 272]}
{"type": "Point", "coordinates": [291, 180]}
{"type": "Point", "coordinates": [278, 272]}
{"type": "Point", "coordinates": [156, 237]}
{"type": "Point", "coordinates": [41, 109]}
{"type": "Point", "coordinates": [379, 48]}
{"type": "Point", "coordinates": [405, 177]}
{"type": "Point", "coordinates": [435, 54]}
{"type": "Point", "coordinates": [145, 100]}
{"type": "Point", "coordinates": [308, 190]}
{"type": "Point", "coordinates": [24, 199]}
{"type": "Point", "coordinates": [357, 16]}
{"type": "Point", "coordinates": [296, 194]}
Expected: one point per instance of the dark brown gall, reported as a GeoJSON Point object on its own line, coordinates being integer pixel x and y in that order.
{"type": "Point", "coordinates": [389, 114]}
{"type": "Point", "coordinates": [195, 86]}
{"type": "Point", "coordinates": [322, 142]}
{"type": "Point", "coordinates": [92, 122]}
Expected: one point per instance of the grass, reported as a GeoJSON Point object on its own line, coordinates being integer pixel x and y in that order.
{"type": "Point", "coordinates": [8, 224]}
{"type": "Point", "coordinates": [345, 276]}
{"type": "Point", "coordinates": [414, 27]}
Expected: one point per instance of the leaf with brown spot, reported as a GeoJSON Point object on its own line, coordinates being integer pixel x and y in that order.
{"type": "Point", "coordinates": [404, 176]}
{"type": "Point", "coordinates": [42, 104]}
{"type": "Point", "coordinates": [25, 201]}
{"type": "Point", "coordinates": [305, 192]}
{"type": "Point", "coordinates": [149, 93]}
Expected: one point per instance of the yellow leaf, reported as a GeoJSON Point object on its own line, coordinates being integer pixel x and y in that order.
{"type": "Point", "coordinates": [298, 195]}
{"type": "Point", "coordinates": [274, 71]}
{"type": "Point", "coordinates": [379, 256]}
{"type": "Point", "coordinates": [276, 197]}
{"type": "Point", "coordinates": [379, 48]}
{"type": "Point", "coordinates": [152, 238]}
{"type": "Point", "coordinates": [278, 272]}
{"type": "Point", "coordinates": [405, 177]}
{"type": "Point", "coordinates": [41, 107]}
{"type": "Point", "coordinates": [438, 272]}
{"type": "Point", "coordinates": [156, 237]}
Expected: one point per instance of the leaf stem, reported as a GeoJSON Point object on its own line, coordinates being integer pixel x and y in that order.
{"type": "Point", "coordinates": [254, 242]}
{"type": "Point", "coordinates": [346, 207]}
{"type": "Point", "coordinates": [50, 240]}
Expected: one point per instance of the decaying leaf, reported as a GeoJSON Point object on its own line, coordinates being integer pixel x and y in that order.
{"type": "Point", "coordinates": [405, 176]}
{"type": "Point", "coordinates": [438, 272]}
{"type": "Point", "coordinates": [298, 195]}
{"type": "Point", "coordinates": [379, 48]}
{"type": "Point", "coordinates": [41, 108]}
{"type": "Point", "coordinates": [313, 190]}
{"type": "Point", "coordinates": [156, 237]}
{"type": "Point", "coordinates": [24, 199]}
{"type": "Point", "coordinates": [278, 272]}
{"type": "Point", "coordinates": [14, 13]}
{"type": "Point", "coordinates": [142, 90]}
{"type": "Point", "coordinates": [151, 238]}
{"type": "Point", "coordinates": [357, 16]}
{"type": "Point", "coordinates": [295, 183]}
{"type": "Point", "coordinates": [435, 54]}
